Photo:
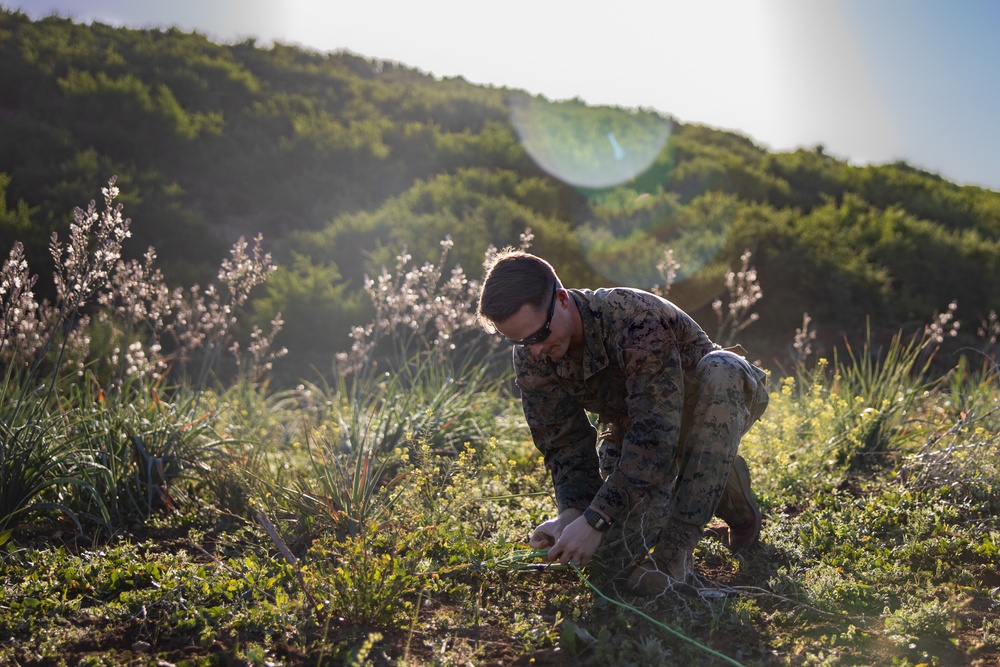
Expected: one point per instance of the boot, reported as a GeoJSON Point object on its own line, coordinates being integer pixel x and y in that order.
{"type": "Point", "coordinates": [670, 564]}
{"type": "Point", "coordinates": [739, 510]}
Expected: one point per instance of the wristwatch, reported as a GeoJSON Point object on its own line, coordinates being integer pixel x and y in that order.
{"type": "Point", "coordinates": [596, 521]}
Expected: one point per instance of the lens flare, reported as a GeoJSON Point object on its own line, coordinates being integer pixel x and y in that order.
{"type": "Point", "coordinates": [642, 204]}
{"type": "Point", "coordinates": [588, 147]}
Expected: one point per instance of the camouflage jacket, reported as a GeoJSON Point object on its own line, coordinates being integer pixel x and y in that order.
{"type": "Point", "coordinates": [640, 355]}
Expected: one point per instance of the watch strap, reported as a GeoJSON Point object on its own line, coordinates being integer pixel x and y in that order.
{"type": "Point", "coordinates": [596, 521]}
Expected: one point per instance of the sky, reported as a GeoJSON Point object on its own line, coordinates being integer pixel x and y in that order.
{"type": "Point", "coordinates": [872, 81]}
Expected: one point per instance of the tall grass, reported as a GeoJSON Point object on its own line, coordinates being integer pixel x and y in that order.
{"type": "Point", "coordinates": [141, 455]}
{"type": "Point", "coordinates": [83, 429]}
{"type": "Point", "coordinates": [39, 471]}
{"type": "Point", "coordinates": [880, 389]}
{"type": "Point", "coordinates": [961, 452]}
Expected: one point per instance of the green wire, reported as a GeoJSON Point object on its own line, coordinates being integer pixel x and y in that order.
{"type": "Point", "coordinates": [517, 559]}
{"type": "Point", "coordinates": [676, 633]}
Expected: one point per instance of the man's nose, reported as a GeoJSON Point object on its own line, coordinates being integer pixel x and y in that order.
{"type": "Point", "coordinates": [536, 349]}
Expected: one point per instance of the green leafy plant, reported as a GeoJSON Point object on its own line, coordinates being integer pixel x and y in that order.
{"type": "Point", "coordinates": [142, 454]}
{"type": "Point", "coordinates": [38, 468]}
{"type": "Point", "coordinates": [881, 389]}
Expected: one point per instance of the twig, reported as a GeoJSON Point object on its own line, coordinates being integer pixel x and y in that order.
{"type": "Point", "coordinates": [762, 592]}
{"type": "Point", "coordinates": [287, 554]}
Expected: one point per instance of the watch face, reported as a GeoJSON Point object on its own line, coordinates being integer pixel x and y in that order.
{"type": "Point", "coordinates": [596, 521]}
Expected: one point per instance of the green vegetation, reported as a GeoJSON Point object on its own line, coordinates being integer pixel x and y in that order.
{"type": "Point", "coordinates": [175, 488]}
{"type": "Point", "coordinates": [343, 163]}
{"type": "Point", "coordinates": [153, 515]}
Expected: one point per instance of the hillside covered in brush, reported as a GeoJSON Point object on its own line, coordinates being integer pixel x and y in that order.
{"type": "Point", "coordinates": [341, 162]}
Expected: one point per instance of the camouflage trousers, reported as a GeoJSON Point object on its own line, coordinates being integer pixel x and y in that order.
{"type": "Point", "coordinates": [729, 397]}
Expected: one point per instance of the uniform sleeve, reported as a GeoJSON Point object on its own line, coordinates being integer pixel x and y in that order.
{"type": "Point", "coordinates": [654, 388]}
{"type": "Point", "coordinates": [562, 432]}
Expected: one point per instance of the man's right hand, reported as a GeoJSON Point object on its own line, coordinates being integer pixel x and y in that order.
{"type": "Point", "coordinates": [546, 534]}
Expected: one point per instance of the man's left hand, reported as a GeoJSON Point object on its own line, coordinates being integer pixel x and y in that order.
{"type": "Point", "coordinates": [577, 543]}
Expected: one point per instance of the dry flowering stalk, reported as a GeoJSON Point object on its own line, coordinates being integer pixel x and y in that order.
{"type": "Point", "coordinates": [136, 304]}
{"type": "Point", "coordinates": [138, 293]}
{"type": "Point", "coordinates": [83, 265]}
{"type": "Point", "coordinates": [261, 349]}
{"type": "Point", "coordinates": [20, 328]}
{"type": "Point", "coordinates": [526, 238]}
{"type": "Point", "coordinates": [417, 309]}
{"type": "Point", "coordinates": [802, 342]}
{"type": "Point", "coordinates": [943, 325]}
{"type": "Point", "coordinates": [243, 271]}
{"type": "Point", "coordinates": [667, 268]}
{"type": "Point", "coordinates": [139, 299]}
{"type": "Point", "coordinates": [205, 319]}
{"type": "Point", "coordinates": [414, 307]}
{"type": "Point", "coordinates": [989, 329]}
{"type": "Point", "coordinates": [744, 291]}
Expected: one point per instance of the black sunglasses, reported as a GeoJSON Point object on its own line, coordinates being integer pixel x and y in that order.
{"type": "Point", "coordinates": [543, 333]}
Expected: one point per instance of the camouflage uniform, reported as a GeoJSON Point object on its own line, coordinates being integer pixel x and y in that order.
{"type": "Point", "coordinates": [674, 404]}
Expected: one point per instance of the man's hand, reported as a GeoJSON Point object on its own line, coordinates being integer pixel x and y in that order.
{"type": "Point", "coordinates": [546, 535]}
{"type": "Point", "coordinates": [568, 537]}
{"type": "Point", "coordinates": [576, 544]}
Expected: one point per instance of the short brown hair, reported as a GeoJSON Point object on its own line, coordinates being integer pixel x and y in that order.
{"type": "Point", "coordinates": [514, 278]}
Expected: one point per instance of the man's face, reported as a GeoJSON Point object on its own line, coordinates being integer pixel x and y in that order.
{"type": "Point", "coordinates": [544, 331]}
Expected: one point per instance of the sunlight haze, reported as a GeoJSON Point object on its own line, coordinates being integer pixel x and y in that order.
{"type": "Point", "coordinates": [872, 81]}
